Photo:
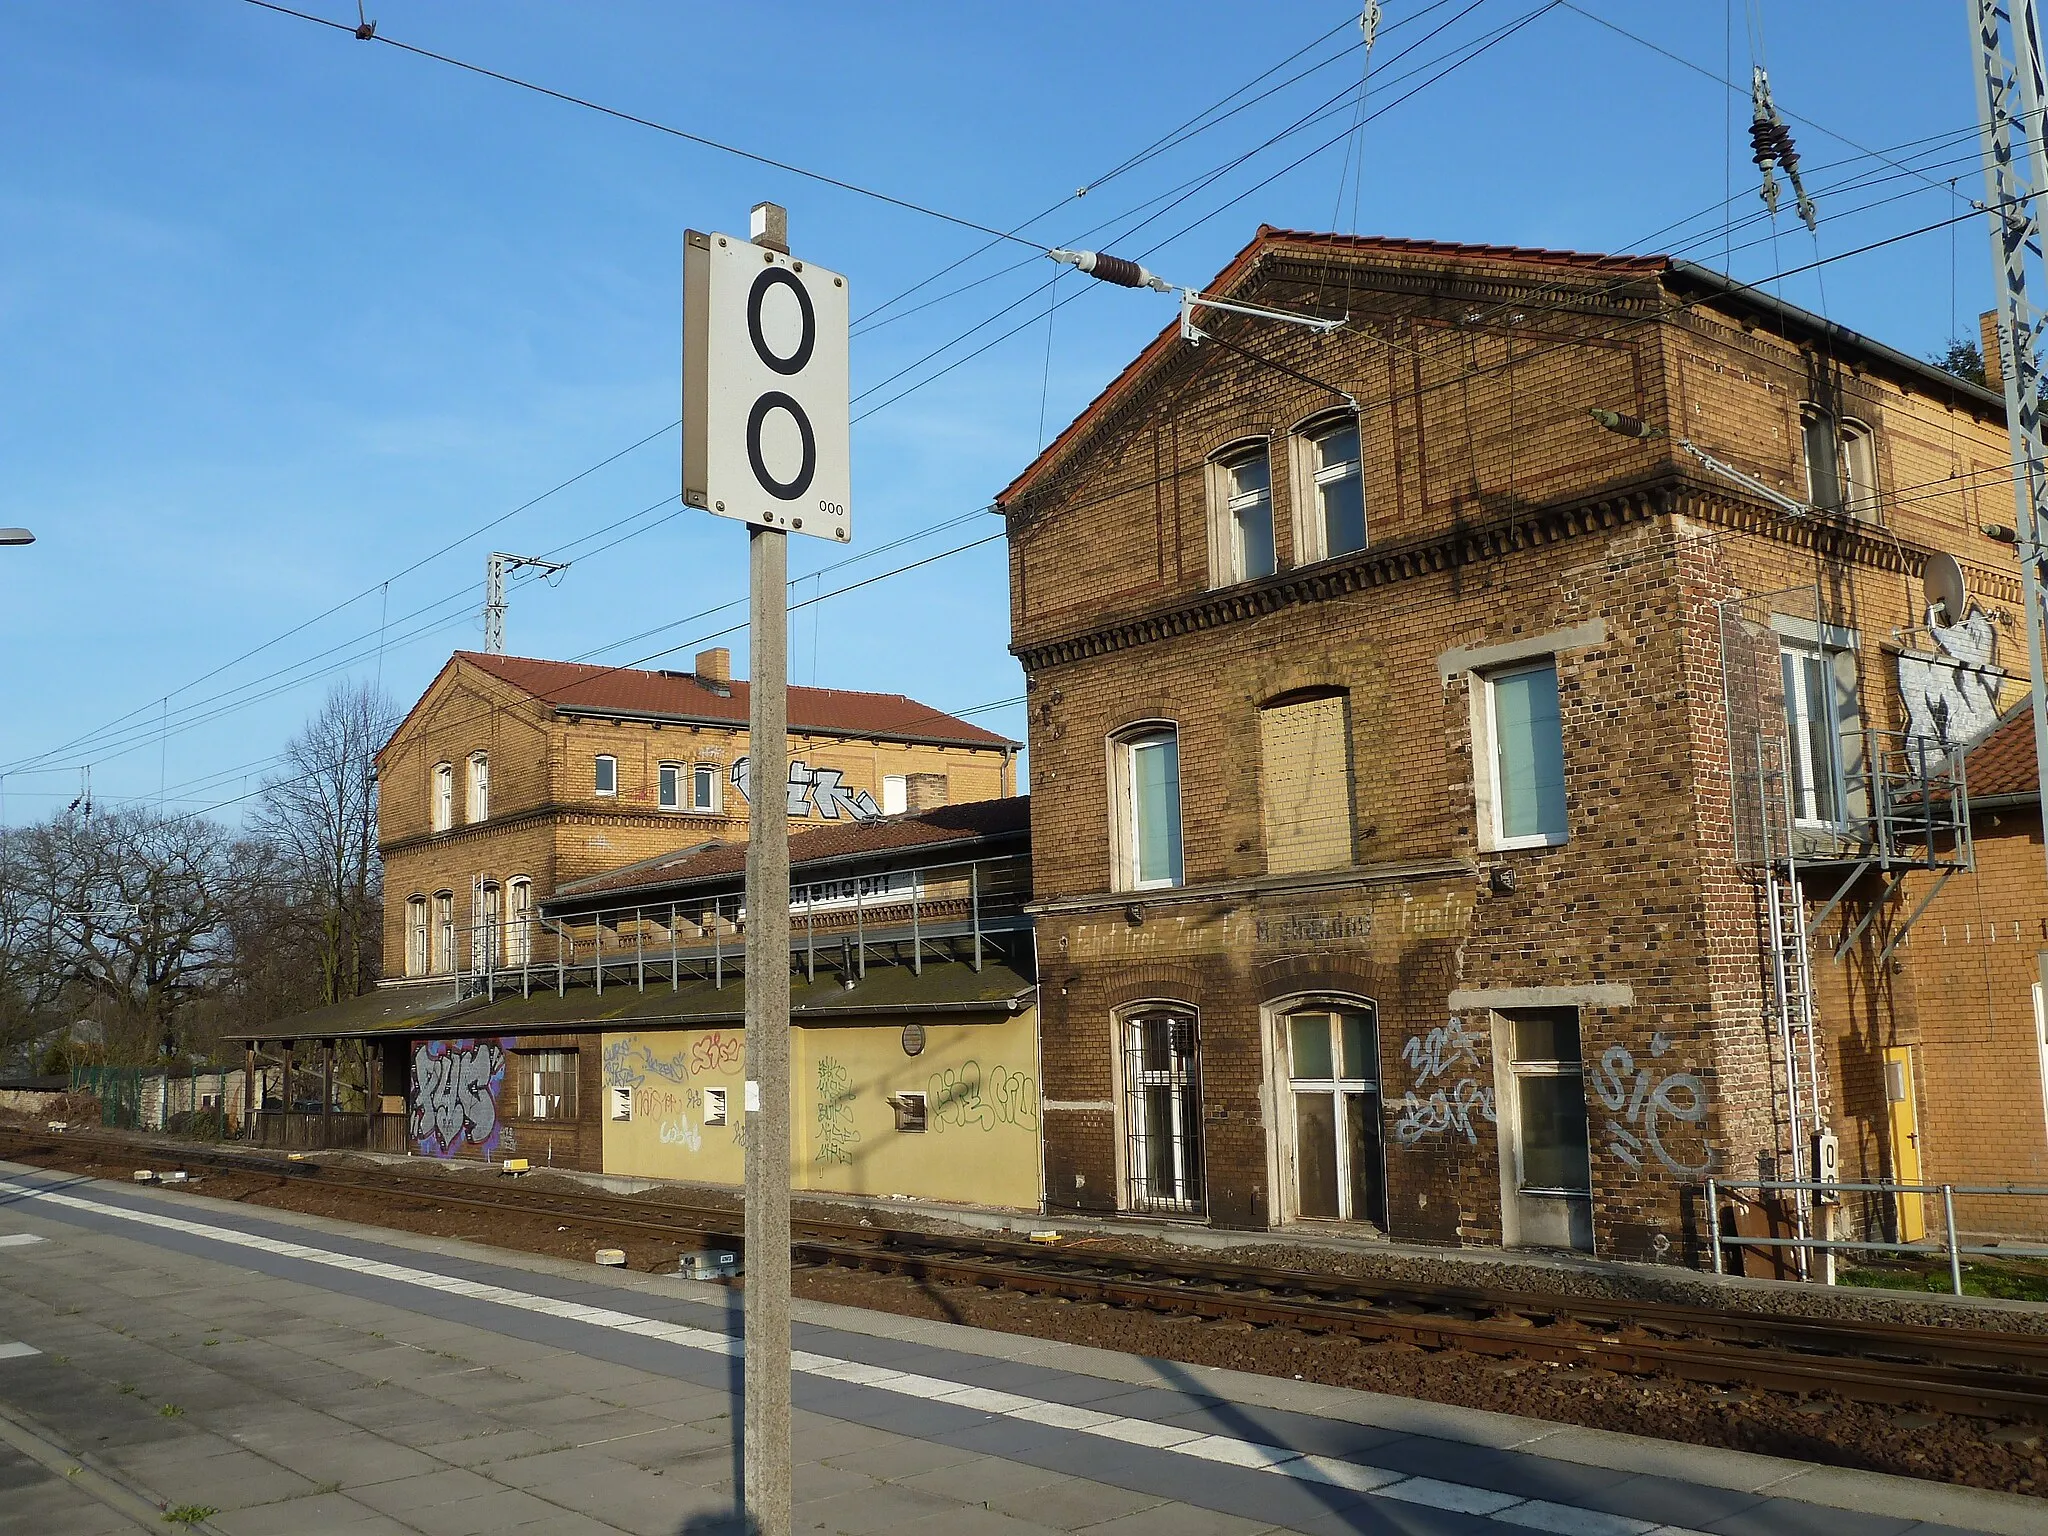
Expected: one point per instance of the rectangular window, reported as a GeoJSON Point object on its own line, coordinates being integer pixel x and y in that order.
{"type": "Point", "coordinates": [1823, 465]}
{"type": "Point", "coordinates": [704, 787]}
{"type": "Point", "coordinates": [547, 1084]}
{"type": "Point", "coordinates": [1553, 1153]}
{"type": "Point", "coordinates": [1334, 1072]}
{"type": "Point", "coordinates": [714, 1107]}
{"type": "Point", "coordinates": [1305, 784]}
{"type": "Point", "coordinates": [479, 787]}
{"type": "Point", "coordinates": [671, 786]}
{"type": "Point", "coordinates": [910, 1111]}
{"type": "Point", "coordinates": [444, 931]}
{"type": "Point", "coordinates": [1821, 726]}
{"type": "Point", "coordinates": [1527, 757]}
{"type": "Point", "coordinates": [621, 1096]}
{"type": "Point", "coordinates": [895, 794]}
{"type": "Point", "coordinates": [444, 796]}
{"type": "Point", "coordinates": [1331, 468]}
{"type": "Point", "coordinates": [1248, 499]}
{"type": "Point", "coordinates": [1150, 813]}
{"type": "Point", "coordinates": [416, 951]}
{"type": "Point", "coordinates": [1162, 1114]}
{"type": "Point", "coordinates": [607, 775]}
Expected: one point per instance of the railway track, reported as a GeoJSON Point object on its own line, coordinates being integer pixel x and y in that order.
{"type": "Point", "coordinates": [1957, 1370]}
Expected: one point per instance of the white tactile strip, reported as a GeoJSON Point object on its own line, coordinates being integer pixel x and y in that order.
{"type": "Point", "coordinates": [1228, 1450]}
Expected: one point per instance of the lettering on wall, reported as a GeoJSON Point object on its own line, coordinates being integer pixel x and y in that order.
{"type": "Point", "coordinates": [1448, 1107]}
{"type": "Point", "coordinates": [836, 1133]}
{"type": "Point", "coordinates": [1951, 693]}
{"type": "Point", "coordinates": [628, 1064]}
{"type": "Point", "coordinates": [957, 1098]}
{"type": "Point", "coordinates": [455, 1087]}
{"type": "Point", "coordinates": [1655, 1105]}
{"type": "Point", "coordinates": [1309, 927]}
{"type": "Point", "coordinates": [818, 791]}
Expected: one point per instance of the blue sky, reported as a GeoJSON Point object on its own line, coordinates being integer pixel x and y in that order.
{"type": "Point", "coordinates": [282, 313]}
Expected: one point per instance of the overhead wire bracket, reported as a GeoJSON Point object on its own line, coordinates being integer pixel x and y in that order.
{"type": "Point", "coordinates": [1771, 146]}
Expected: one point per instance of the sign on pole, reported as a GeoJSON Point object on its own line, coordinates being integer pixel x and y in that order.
{"type": "Point", "coordinates": [765, 397]}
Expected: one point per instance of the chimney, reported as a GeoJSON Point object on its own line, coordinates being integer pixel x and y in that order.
{"type": "Point", "coordinates": [714, 666]}
{"type": "Point", "coordinates": [923, 792]}
{"type": "Point", "coordinates": [1987, 339]}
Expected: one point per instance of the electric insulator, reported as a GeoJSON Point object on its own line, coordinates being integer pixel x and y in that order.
{"type": "Point", "coordinates": [1627, 426]}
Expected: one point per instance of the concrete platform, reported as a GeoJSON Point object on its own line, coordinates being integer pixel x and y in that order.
{"type": "Point", "coordinates": [291, 1374]}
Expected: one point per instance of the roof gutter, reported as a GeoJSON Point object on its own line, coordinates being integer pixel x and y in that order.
{"type": "Point", "coordinates": [726, 723]}
{"type": "Point", "coordinates": [433, 1029]}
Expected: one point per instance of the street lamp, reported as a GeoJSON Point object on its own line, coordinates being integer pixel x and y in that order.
{"type": "Point", "coordinates": [16, 536]}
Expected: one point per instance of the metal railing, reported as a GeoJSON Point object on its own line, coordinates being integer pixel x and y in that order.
{"type": "Point", "coordinates": [1951, 1245]}
{"type": "Point", "coordinates": [956, 909]}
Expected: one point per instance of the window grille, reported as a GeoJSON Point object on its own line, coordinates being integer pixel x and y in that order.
{"type": "Point", "coordinates": [1163, 1114]}
{"type": "Point", "coordinates": [548, 1085]}
{"type": "Point", "coordinates": [910, 1111]}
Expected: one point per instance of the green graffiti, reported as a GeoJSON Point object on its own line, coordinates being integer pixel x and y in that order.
{"type": "Point", "coordinates": [958, 1098]}
{"type": "Point", "coordinates": [836, 1134]}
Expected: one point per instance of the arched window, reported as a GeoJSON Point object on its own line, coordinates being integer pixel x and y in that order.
{"type": "Point", "coordinates": [444, 796]}
{"type": "Point", "coordinates": [669, 779]}
{"type": "Point", "coordinates": [1329, 488]}
{"type": "Point", "coordinates": [417, 953]}
{"type": "Point", "coordinates": [1823, 459]}
{"type": "Point", "coordinates": [1162, 1091]}
{"type": "Point", "coordinates": [479, 786]}
{"type": "Point", "coordinates": [484, 935]}
{"type": "Point", "coordinates": [1859, 470]}
{"type": "Point", "coordinates": [1334, 1132]}
{"type": "Point", "coordinates": [444, 932]}
{"type": "Point", "coordinates": [1145, 791]}
{"type": "Point", "coordinates": [1241, 544]}
{"type": "Point", "coordinates": [519, 922]}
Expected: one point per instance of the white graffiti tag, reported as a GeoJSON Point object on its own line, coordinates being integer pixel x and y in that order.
{"type": "Point", "coordinates": [1650, 1102]}
{"type": "Point", "coordinates": [1434, 1057]}
{"type": "Point", "coordinates": [1951, 694]}
{"type": "Point", "coordinates": [811, 789]}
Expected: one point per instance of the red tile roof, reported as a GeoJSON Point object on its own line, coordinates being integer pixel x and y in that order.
{"type": "Point", "coordinates": [2002, 764]}
{"type": "Point", "coordinates": [576, 686]}
{"type": "Point", "coordinates": [1266, 239]}
{"type": "Point", "coordinates": [974, 821]}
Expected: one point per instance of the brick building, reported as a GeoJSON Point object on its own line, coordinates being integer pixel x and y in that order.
{"type": "Point", "coordinates": [511, 777]}
{"type": "Point", "coordinates": [1446, 807]}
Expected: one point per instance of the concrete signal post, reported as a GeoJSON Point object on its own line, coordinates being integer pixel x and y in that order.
{"type": "Point", "coordinates": [766, 429]}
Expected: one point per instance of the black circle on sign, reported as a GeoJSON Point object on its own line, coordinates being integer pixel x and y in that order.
{"type": "Point", "coordinates": [796, 361]}
{"type": "Point", "coordinates": [775, 399]}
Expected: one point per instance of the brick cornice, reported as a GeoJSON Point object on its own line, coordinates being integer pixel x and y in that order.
{"type": "Point", "coordinates": [560, 813]}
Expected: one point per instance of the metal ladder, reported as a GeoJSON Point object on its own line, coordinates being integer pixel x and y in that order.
{"type": "Point", "coordinates": [1792, 976]}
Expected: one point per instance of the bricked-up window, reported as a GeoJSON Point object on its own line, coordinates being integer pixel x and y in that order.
{"type": "Point", "coordinates": [1521, 758]}
{"type": "Point", "coordinates": [1333, 1070]}
{"type": "Point", "coordinates": [519, 921]}
{"type": "Point", "coordinates": [444, 931]}
{"type": "Point", "coordinates": [1162, 1073]}
{"type": "Point", "coordinates": [704, 782]}
{"type": "Point", "coordinates": [416, 950]}
{"type": "Point", "coordinates": [444, 796]}
{"type": "Point", "coordinates": [1330, 488]}
{"type": "Point", "coordinates": [606, 775]}
{"type": "Point", "coordinates": [547, 1084]}
{"type": "Point", "coordinates": [479, 786]}
{"type": "Point", "coordinates": [1145, 787]}
{"type": "Point", "coordinates": [1552, 1154]}
{"type": "Point", "coordinates": [1241, 547]}
{"type": "Point", "coordinates": [1305, 783]}
{"type": "Point", "coordinates": [1820, 709]}
{"type": "Point", "coordinates": [895, 794]}
{"type": "Point", "coordinates": [670, 780]}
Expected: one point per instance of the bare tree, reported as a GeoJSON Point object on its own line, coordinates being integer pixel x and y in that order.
{"type": "Point", "coordinates": [320, 815]}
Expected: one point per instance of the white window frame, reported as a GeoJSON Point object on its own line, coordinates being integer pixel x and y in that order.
{"type": "Point", "coordinates": [1226, 548]}
{"type": "Point", "coordinates": [714, 1108]}
{"type": "Point", "coordinates": [895, 794]}
{"type": "Point", "coordinates": [668, 785]}
{"type": "Point", "coordinates": [443, 961]}
{"type": "Point", "coordinates": [1123, 761]}
{"type": "Point", "coordinates": [442, 797]}
{"type": "Point", "coordinates": [419, 944]}
{"type": "Point", "coordinates": [1799, 766]}
{"type": "Point", "coordinates": [1135, 1190]}
{"type": "Point", "coordinates": [1311, 526]}
{"type": "Point", "coordinates": [1856, 462]}
{"type": "Point", "coordinates": [489, 918]}
{"type": "Point", "coordinates": [702, 774]}
{"type": "Point", "coordinates": [479, 799]}
{"type": "Point", "coordinates": [597, 767]}
{"type": "Point", "coordinates": [1519, 1072]}
{"type": "Point", "coordinates": [913, 1113]}
{"type": "Point", "coordinates": [519, 921]}
{"type": "Point", "coordinates": [1335, 1088]}
{"type": "Point", "coordinates": [1486, 762]}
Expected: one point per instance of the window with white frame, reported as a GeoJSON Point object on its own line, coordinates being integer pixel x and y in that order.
{"type": "Point", "coordinates": [669, 781]}
{"type": "Point", "coordinates": [1333, 1072]}
{"type": "Point", "coordinates": [714, 1107]}
{"type": "Point", "coordinates": [1520, 757]}
{"type": "Point", "coordinates": [1331, 488]}
{"type": "Point", "coordinates": [416, 943]}
{"type": "Point", "coordinates": [1241, 515]}
{"type": "Point", "coordinates": [519, 921]}
{"type": "Point", "coordinates": [1162, 1082]}
{"type": "Point", "coordinates": [1823, 458]}
{"type": "Point", "coordinates": [1821, 721]}
{"type": "Point", "coordinates": [1552, 1153]}
{"type": "Point", "coordinates": [605, 778]}
{"type": "Point", "coordinates": [895, 794]}
{"type": "Point", "coordinates": [704, 781]}
{"type": "Point", "coordinates": [1859, 470]}
{"type": "Point", "coordinates": [444, 931]}
{"type": "Point", "coordinates": [488, 914]}
{"type": "Point", "coordinates": [444, 796]}
{"type": "Point", "coordinates": [479, 786]}
{"type": "Point", "coordinates": [1145, 785]}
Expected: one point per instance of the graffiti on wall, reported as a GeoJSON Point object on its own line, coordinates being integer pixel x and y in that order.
{"type": "Point", "coordinates": [1652, 1104]}
{"type": "Point", "coordinates": [628, 1064]}
{"type": "Point", "coordinates": [1951, 693]}
{"type": "Point", "coordinates": [960, 1099]}
{"type": "Point", "coordinates": [455, 1087]}
{"type": "Point", "coordinates": [1447, 1099]}
{"type": "Point", "coordinates": [836, 1133]}
{"type": "Point", "coordinates": [812, 791]}
{"type": "Point", "coordinates": [717, 1052]}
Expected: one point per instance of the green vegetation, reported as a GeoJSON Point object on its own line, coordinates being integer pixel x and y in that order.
{"type": "Point", "coordinates": [189, 1514]}
{"type": "Point", "coordinates": [170, 1411]}
{"type": "Point", "coordinates": [2004, 1279]}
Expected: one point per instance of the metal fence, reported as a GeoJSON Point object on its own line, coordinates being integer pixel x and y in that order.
{"type": "Point", "coordinates": [1951, 1244]}
{"type": "Point", "coordinates": [201, 1101]}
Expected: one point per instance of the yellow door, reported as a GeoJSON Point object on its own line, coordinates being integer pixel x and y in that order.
{"type": "Point", "coordinates": [1905, 1125]}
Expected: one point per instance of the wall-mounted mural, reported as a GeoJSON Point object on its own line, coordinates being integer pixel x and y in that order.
{"type": "Point", "coordinates": [811, 791]}
{"type": "Point", "coordinates": [1951, 693]}
{"type": "Point", "coordinates": [455, 1088]}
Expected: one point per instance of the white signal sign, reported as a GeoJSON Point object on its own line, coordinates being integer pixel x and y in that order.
{"type": "Point", "coordinates": [765, 411]}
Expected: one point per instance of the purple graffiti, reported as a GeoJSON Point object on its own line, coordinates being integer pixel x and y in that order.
{"type": "Point", "coordinates": [455, 1086]}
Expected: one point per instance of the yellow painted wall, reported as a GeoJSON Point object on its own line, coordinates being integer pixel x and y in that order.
{"type": "Point", "coordinates": [981, 1081]}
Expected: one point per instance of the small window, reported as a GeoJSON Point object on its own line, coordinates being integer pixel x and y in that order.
{"type": "Point", "coordinates": [479, 786]}
{"type": "Point", "coordinates": [486, 915]}
{"type": "Point", "coordinates": [1859, 471]}
{"type": "Point", "coordinates": [1146, 786]}
{"type": "Point", "coordinates": [1823, 461]}
{"type": "Point", "coordinates": [416, 937]}
{"type": "Point", "coordinates": [714, 1107]}
{"type": "Point", "coordinates": [1822, 718]}
{"type": "Point", "coordinates": [1334, 485]}
{"type": "Point", "coordinates": [910, 1111]}
{"type": "Point", "coordinates": [704, 782]}
{"type": "Point", "coordinates": [1553, 1155]}
{"type": "Point", "coordinates": [1522, 777]}
{"type": "Point", "coordinates": [519, 922]}
{"type": "Point", "coordinates": [1248, 494]}
{"type": "Point", "coordinates": [671, 786]}
{"type": "Point", "coordinates": [547, 1084]}
{"type": "Point", "coordinates": [621, 1100]}
{"type": "Point", "coordinates": [607, 776]}
{"type": "Point", "coordinates": [444, 796]}
{"type": "Point", "coordinates": [895, 794]}
{"type": "Point", "coordinates": [444, 931]}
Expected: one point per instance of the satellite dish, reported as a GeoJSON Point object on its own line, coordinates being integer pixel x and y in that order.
{"type": "Point", "coordinates": [1942, 582]}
